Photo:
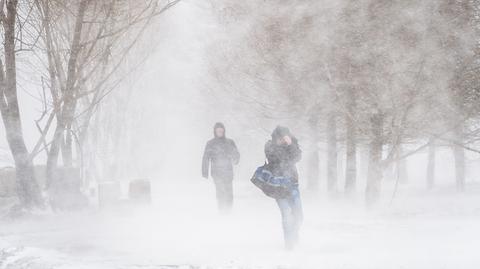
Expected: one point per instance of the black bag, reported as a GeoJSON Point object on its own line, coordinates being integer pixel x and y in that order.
{"type": "Point", "coordinates": [272, 186]}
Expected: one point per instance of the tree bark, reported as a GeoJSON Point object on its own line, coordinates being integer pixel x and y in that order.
{"type": "Point", "coordinates": [27, 186]}
{"type": "Point", "coordinates": [374, 174]}
{"type": "Point", "coordinates": [401, 165]}
{"type": "Point", "coordinates": [332, 153]}
{"type": "Point", "coordinates": [66, 115]}
{"type": "Point", "coordinates": [314, 159]}
{"type": "Point", "coordinates": [351, 147]}
{"type": "Point", "coordinates": [459, 155]}
{"type": "Point", "coordinates": [431, 165]}
{"type": "Point", "coordinates": [67, 152]}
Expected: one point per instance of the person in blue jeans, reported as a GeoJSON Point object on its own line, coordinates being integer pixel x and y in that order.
{"type": "Point", "coordinates": [283, 152]}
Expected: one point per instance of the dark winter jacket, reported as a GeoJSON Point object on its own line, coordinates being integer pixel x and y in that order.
{"type": "Point", "coordinates": [221, 153]}
{"type": "Point", "coordinates": [282, 158]}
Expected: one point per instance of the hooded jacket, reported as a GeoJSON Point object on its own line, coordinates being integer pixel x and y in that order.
{"type": "Point", "coordinates": [282, 159]}
{"type": "Point", "coordinates": [220, 154]}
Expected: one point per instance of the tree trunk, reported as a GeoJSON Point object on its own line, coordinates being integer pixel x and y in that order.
{"type": "Point", "coordinates": [314, 159]}
{"type": "Point", "coordinates": [332, 153]}
{"type": "Point", "coordinates": [351, 147]}
{"type": "Point", "coordinates": [374, 174]}
{"type": "Point", "coordinates": [67, 152]}
{"type": "Point", "coordinates": [431, 165]}
{"type": "Point", "coordinates": [65, 117]}
{"type": "Point", "coordinates": [401, 165]}
{"type": "Point", "coordinates": [28, 190]}
{"type": "Point", "coordinates": [53, 154]}
{"type": "Point", "coordinates": [27, 186]}
{"type": "Point", "coordinates": [459, 155]}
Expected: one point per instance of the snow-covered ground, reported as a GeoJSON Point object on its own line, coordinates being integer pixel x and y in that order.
{"type": "Point", "coordinates": [181, 229]}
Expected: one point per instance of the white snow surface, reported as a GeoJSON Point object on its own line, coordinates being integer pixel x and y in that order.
{"type": "Point", "coordinates": [182, 229]}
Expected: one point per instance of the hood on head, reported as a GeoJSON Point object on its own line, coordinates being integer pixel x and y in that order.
{"type": "Point", "coordinates": [279, 132]}
{"type": "Point", "coordinates": [219, 125]}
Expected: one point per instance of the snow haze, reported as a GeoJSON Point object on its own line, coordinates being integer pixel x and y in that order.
{"type": "Point", "coordinates": [382, 96]}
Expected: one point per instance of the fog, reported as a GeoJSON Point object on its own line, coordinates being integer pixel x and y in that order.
{"type": "Point", "coordinates": [382, 96]}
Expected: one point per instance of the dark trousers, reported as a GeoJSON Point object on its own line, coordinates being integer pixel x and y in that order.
{"type": "Point", "coordinates": [224, 191]}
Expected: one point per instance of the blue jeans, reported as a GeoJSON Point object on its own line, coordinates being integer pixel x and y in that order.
{"type": "Point", "coordinates": [292, 217]}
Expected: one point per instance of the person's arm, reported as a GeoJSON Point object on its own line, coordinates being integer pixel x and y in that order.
{"type": "Point", "coordinates": [294, 151]}
{"type": "Point", "coordinates": [206, 160]}
{"type": "Point", "coordinates": [235, 154]}
{"type": "Point", "coordinates": [270, 153]}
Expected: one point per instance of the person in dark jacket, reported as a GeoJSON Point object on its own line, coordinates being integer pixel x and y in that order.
{"type": "Point", "coordinates": [283, 152]}
{"type": "Point", "coordinates": [220, 155]}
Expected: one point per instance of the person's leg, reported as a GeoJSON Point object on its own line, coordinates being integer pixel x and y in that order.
{"type": "Point", "coordinates": [287, 222]}
{"type": "Point", "coordinates": [297, 213]}
{"type": "Point", "coordinates": [219, 193]}
{"type": "Point", "coordinates": [228, 195]}
{"type": "Point", "coordinates": [224, 195]}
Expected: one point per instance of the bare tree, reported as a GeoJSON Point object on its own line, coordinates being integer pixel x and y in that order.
{"type": "Point", "coordinates": [27, 187]}
{"type": "Point", "coordinates": [86, 44]}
